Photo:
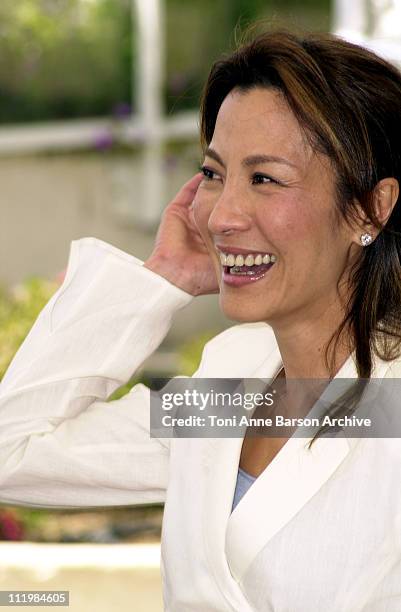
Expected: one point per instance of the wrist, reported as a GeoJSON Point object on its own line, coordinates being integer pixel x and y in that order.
{"type": "Point", "coordinates": [173, 273]}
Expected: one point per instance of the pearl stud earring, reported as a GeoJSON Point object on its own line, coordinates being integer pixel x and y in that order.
{"type": "Point", "coordinates": [366, 239]}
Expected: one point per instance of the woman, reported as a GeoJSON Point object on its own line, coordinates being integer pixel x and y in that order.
{"type": "Point", "coordinates": [294, 221]}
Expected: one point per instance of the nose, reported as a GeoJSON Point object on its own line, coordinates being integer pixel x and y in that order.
{"type": "Point", "coordinates": [229, 214]}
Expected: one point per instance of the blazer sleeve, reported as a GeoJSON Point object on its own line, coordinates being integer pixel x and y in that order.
{"type": "Point", "coordinates": [61, 443]}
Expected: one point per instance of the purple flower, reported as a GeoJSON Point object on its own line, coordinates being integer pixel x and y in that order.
{"type": "Point", "coordinates": [122, 110]}
{"type": "Point", "coordinates": [104, 140]}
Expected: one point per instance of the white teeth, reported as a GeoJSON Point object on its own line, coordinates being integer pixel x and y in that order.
{"type": "Point", "coordinates": [239, 260]}
{"type": "Point", "coordinates": [231, 260]}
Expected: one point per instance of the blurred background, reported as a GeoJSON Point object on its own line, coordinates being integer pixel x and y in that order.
{"type": "Point", "coordinates": [98, 130]}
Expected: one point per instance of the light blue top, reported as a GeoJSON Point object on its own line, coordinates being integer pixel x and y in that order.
{"type": "Point", "coordinates": [244, 481]}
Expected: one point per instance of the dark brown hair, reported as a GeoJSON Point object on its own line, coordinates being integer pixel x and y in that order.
{"type": "Point", "coordinates": [348, 101]}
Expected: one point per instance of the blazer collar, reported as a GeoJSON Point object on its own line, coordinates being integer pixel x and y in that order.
{"type": "Point", "coordinates": [294, 476]}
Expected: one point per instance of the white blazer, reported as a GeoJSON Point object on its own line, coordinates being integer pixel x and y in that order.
{"type": "Point", "coordinates": [318, 531]}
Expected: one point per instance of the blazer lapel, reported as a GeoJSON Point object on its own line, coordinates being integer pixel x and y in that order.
{"type": "Point", "coordinates": [221, 465]}
{"type": "Point", "coordinates": [294, 476]}
{"type": "Point", "coordinates": [285, 486]}
{"type": "Point", "coordinates": [278, 494]}
{"type": "Point", "coordinates": [220, 461]}
{"type": "Point", "coordinates": [296, 473]}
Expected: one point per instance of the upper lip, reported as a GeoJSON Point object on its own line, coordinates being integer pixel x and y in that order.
{"type": "Point", "coordinates": [238, 250]}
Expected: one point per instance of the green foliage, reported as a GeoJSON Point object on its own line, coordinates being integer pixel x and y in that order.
{"type": "Point", "coordinates": [190, 353]}
{"type": "Point", "coordinates": [200, 31]}
{"type": "Point", "coordinates": [63, 58]}
{"type": "Point", "coordinates": [19, 309]}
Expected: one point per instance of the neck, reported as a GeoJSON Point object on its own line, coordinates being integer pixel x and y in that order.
{"type": "Point", "coordinates": [303, 342]}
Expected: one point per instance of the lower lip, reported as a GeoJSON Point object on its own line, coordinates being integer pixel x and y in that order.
{"type": "Point", "coordinates": [239, 280]}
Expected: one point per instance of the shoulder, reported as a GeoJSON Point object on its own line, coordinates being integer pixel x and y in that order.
{"type": "Point", "coordinates": [238, 350]}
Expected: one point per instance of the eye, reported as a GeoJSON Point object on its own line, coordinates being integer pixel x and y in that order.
{"type": "Point", "coordinates": [263, 179]}
{"type": "Point", "coordinates": [208, 173]}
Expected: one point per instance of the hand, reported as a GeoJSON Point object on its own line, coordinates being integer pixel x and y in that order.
{"type": "Point", "coordinates": [180, 254]}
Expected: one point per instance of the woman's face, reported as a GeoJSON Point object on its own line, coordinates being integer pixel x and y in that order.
{"type": "Point", "coordinates": [266, 192]}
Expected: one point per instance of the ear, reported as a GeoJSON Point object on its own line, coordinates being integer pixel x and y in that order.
{"type": "Point", "coordinates": [385, 196]}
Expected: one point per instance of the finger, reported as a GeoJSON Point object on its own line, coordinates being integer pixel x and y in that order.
{"type": "Point", "coordinates": [196, 231]}
{"type": "Point", "coordinates": [186, 194]}
{"type": "Point", "coordinates": [192, 218]}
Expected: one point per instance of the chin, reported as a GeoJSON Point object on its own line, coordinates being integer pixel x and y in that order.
{"type": "Point", "coordinates": [240, 313]}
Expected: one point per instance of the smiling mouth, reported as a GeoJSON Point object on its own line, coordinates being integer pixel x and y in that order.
{"type": "Point", "coordinates": [246, 265]}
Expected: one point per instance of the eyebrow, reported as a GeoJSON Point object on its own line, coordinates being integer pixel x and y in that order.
{"type": "Point", "coordinates": [251, 160]}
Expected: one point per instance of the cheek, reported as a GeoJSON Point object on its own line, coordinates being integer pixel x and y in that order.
{"type": "Point", "coordinates": [301, 236]}
{"type": "Point", "coordinates": [304, 219]}
{"type": "Point", "coordinates": [287, 226]}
